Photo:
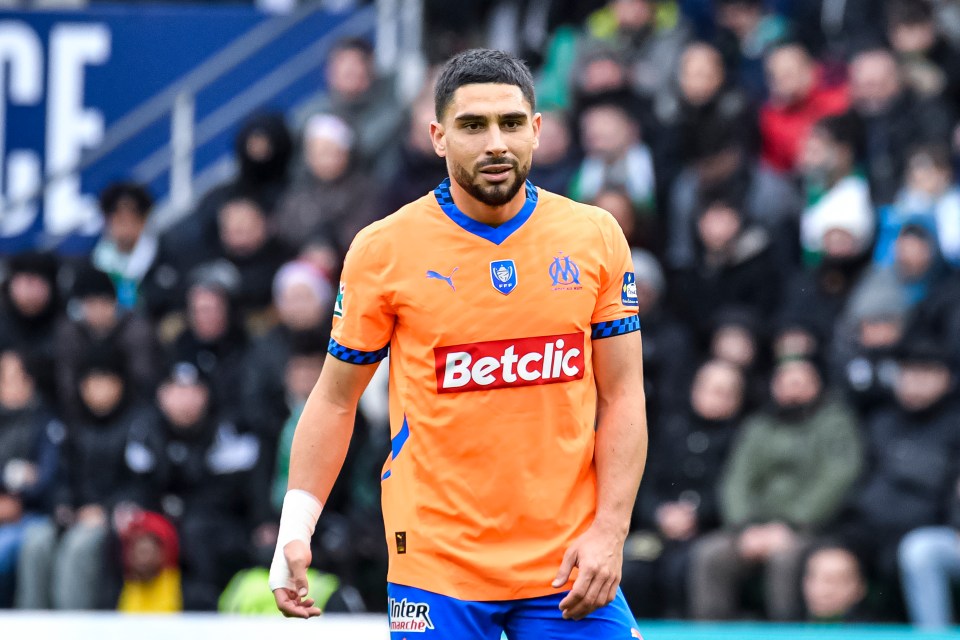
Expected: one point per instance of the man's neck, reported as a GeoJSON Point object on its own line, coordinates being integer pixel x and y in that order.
{"type": "Point", "coordinates": [476, 210]}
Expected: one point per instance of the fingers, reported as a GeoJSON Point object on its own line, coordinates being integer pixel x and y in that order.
{"type": "Point", "coordinates": [566, 567]}
{"type": "Point", "coordinates": [293, 607]}
{"type": "Point", "coordinates": [593, 588]}
{"type": "Point", "coordinates": [298, 559]}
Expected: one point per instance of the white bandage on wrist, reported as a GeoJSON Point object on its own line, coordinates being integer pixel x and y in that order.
{"type": "Point", "coordinates": [298, 519]}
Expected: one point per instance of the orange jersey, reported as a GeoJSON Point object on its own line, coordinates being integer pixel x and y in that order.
{"type": "Point", "coordinates": [492, 395]}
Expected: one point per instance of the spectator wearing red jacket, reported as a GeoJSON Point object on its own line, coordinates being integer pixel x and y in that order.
{"type": "Point", "coordinates": [799, 97]}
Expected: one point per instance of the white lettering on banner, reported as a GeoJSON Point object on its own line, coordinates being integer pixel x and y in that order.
{"type": "Point", "coordinates": [490, 365]}
{"type": "Point", "coordinates": [70, 126]}
{"type": "Point", "coordinates": [22, 52]}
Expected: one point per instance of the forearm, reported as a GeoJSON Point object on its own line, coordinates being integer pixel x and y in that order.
{"type": "Point", "coordinates": [620, 454]}
{"type": "Point", "coordinates": [320, 445]}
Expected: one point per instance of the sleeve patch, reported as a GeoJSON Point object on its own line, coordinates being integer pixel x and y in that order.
{"type": "Point", "coordinates": [628, 293]}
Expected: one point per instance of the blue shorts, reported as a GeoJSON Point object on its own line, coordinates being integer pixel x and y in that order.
{"type": "Point", "coordinates": [416, 614]}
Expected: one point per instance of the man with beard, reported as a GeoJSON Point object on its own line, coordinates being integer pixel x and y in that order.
{"type": "Point", "coordinates": [788, 472]}
{"type": "Point", "coordinates": [516, 388]}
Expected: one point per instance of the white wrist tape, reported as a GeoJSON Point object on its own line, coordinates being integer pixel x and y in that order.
{"type": "Point", "coordinates": [298, 519]}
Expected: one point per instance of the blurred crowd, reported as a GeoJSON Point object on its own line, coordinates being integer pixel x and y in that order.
{"type": "Point", "coordinates": [785, 174]}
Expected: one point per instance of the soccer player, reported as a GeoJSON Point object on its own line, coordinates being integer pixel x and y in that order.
{"type": "Point", "coordinates": [516, 392]}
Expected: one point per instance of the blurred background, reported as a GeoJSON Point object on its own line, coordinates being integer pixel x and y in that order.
{"type": "Point", "coordinates": [178, 186]}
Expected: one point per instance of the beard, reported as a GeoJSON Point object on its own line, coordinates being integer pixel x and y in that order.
{"type": "Point", "coordinates": [495, 195]}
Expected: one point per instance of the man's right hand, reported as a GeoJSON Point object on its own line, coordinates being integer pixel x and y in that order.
{"type": "Point", "coordinates": [293, 603]}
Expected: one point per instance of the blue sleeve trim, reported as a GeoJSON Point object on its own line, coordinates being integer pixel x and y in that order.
{"type": "Point", "coordinates": [355, 356]}
{"type": "Point", "coordinates": [615, 327]}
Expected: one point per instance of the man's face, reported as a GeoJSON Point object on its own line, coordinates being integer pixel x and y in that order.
{"type": "Point", "coordinates": [818, 156]}
{"type": "Point", "coordinates": [718, 226]}
{"type": "Point", "coordinates": [207, 313]}
{"type": "Point", "coordinates": [921, 384]}
{"type": "Point", "coordinates": [488, 135]}
{"type": "Point", "coordinates": [299, 307]}
{"type": "Point", "coordinates": [913, 256]}
{"type": "Point", "coordinates": [243, 227]}
{"type": "Point", "coordinates": [101, 392]}
{"type": "Point", "coordinates": [701, 74]}
{"type": "Point", "coordinates": [795, 384]}
{"type": "Point", "coordinates": [183, 404]}
{"type": "Point", "coordinates": [633, 15]}
{"type": "Point", "coordinates": [348, 73]}
{"type": "Point", "coordinates": [99, 312]}
{"type": "Point", "coordinates": [832, 584]}
{"type": "Point", "coordinates": [16, 386]}
{"type": "Point", "coordinates": [717, 391]}
{"type": "Point", "coordinates": [913, 38]}
{"type": "Point", "coordinates": [125, 225]}
{"type": "Point", "coordinates": [326, 158]}
{"type": "Point", "coordinates": [607, 132]}
{"type": "Point", "coordinates": [874, 82]}
{"type": "Point", "coordinates": [30, 292]}
{"type": "Point", "coordinates": [790, 75]}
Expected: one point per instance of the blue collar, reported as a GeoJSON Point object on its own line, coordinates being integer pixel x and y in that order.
{"type": "Point", "coordinates": [496, 235]}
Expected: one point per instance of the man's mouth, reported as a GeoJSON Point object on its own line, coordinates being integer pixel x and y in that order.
{"type": "Point", "coordinates": [496, 172]}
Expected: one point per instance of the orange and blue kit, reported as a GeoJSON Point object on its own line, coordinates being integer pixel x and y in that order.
{"type": "Point", "coordinates": [493, 402]}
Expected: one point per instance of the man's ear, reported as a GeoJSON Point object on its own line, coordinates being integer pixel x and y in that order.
{"type": "Point", "coordinates": [437, 136]}
{"type": "Point", "coordinates": [537, 122]}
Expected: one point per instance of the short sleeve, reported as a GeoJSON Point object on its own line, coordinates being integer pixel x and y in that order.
{"type": "Point", "coordinates": [616, 310]}
{"type": "Point", "coordinates": [363, 319]}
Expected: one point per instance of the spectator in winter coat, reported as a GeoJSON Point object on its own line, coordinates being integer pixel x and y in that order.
{"type": "Point", "coordinates": [734, 266]}
{"type": "Point", "coordinates": [912, 468]}
{"type": "Point", "coordinates": [679, 500]}
{"type": "Point", "coordinates": [799, 98]}
{"type": "Point", "coordinates": [928, 197]}
{"type": "Point", "coordinates": [214, 488]}
{"type": "Point", "coordinates": [303, 297]}
{"type": "Point", "coordinates": [789, 471]}
{"type": "Point", "coordinates": [96, 322]}
{"type": "Point", "coordinates": [30, 306]}
{"type": "Point", "coordinates": [335, 199]}
{"type": "Point", "coordinates": [837, 197]}
{"type": "Point", "coordinates": [30, 438]}
{"type": "Point", "coordinates": [896, 119]}
{"type": "Point", "coordinates": [111, 463]}
{"type": "Point", "coordinates": [128, 248]}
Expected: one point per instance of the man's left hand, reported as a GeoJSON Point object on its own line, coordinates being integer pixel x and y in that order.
{"type": "Point", "coordinates": [598, 555]}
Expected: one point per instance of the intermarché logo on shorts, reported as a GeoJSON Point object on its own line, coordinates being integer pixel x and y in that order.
{"type": "Point", "coordinates": [411, 617]}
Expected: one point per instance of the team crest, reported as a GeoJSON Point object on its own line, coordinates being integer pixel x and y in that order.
{"type": "Point", "coordinates": [564, 273]}
{"type": "Point", "coordinates": [503, 276]}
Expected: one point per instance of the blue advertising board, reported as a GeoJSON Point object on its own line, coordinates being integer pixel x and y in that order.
{"type": "Point", "coordinates": [66, 77]}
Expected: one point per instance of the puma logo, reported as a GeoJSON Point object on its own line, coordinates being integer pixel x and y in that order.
{"type": "Point", "coordinates": [447, 279]}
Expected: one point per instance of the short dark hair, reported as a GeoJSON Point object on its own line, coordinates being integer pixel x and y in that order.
{"type": "Point", "coordinates": [354, 43]}
{"type": "Point", "coordinates": [845, 129]}
{"type": "Point", "coordinates": [111, 196]}
{"type": "Point", "coordinates": [909, 12]}
{"type": "Point", "coordinates": [480, 66]}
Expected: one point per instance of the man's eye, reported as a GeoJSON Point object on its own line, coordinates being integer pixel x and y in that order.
{"type": "Point", "coordinates": [472, 126]}
{"type": "Point", "coordinates": [512, 124]}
